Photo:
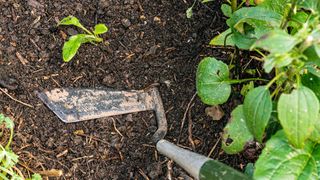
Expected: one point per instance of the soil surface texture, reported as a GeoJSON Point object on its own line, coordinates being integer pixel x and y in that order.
{"type": "Point", "coordinates": [148, 43]}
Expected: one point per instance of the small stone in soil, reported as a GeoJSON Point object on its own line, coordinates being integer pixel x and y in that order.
{"type": "Point", "coordinates": [108, 79]}
{"type": "Point", "coordinates": [126, 23]}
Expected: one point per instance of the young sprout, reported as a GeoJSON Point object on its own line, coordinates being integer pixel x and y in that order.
{"type": "Point", "coordinates": [71, 47]}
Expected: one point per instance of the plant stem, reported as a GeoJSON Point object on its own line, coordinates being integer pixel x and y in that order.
{"type": "Point", "coordinates": [288, 17]}
{"type": "Point", "coordinates": [10, 139]}
{"type": "Point", "coordinates": [234, 5]}
{"type": "Point", "coordinates": [237, 81]}
{"type": "Point", "coordinates": [275, 79]}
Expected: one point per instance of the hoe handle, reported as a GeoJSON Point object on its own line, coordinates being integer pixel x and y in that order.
{"type": "Point", "coordinates": [198, 166]}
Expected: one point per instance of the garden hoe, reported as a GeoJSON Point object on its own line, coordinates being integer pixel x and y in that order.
{"type": "Point", "coordinates": [75, 105]}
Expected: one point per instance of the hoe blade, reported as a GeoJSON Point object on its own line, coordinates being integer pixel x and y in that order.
{"type": "Point", "coordinates": [74, 105]}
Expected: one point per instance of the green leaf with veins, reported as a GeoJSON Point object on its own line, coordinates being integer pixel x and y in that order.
{"type": "Point", "coordinates": [315, 135]}
{"type": "Point", "coordinates": [276, 41]}
{"type": "Point", "coordinates": [212, 81]}
{"type": "Point", "coordinates": [220, 39]}
{"type": "Point", "coordinates": [279, 60]}
{"type": "Point", "coordinates": [71, 47]}
{"type": "Point", "coordinates": [71, 20]}
{"type": "Point", "coordinates": [100, 29]}
{"type": "Point", "coordinates": [279, 6]}
{"type": "Point", "coordinates": [313, 82]}
{"type": "Point", "coordinates": [189, 12]}
{"type": "Point", "coordinates": [298, 112]}
{"type": "Point", "coordinates": [226, 10]}
{"type": "Point", "coordinates": [312, 5]}
{"type": "Point", "coordinates": [252, 16]}
{"type": "Point", "coordinates": [279, 160]}
{"type": "Point", "coordinates": [235, 127]}
{"type": "Point", "coordinates": [257, 108]}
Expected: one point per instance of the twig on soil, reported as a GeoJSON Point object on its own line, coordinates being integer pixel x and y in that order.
{"type": "Point", "coordinates": [169, 167]}
{"type": "Point", "coordinates": [62, 153]}
{"type": "Point", "coordinates": [143, 174]}
{"type": "Point", "coordinates": [93, 138]}
{"type": "Point", "coordinates": [26, 167]}
{"type": "Point", "coordinates": [55, 82]}
{"type": "Point", "coordinates": [185, 116]}
{"type": "Point", "coordinates": [35, 44]}
{"type": "Point", "coordinates": [214, 147]}
{"type": "Point", "coordinates": [51, 173]}
{"type": "Point", "coordinates": [18, 171]}
{"type": "Point", "coordinates": [83, 157]}
{"type": "Point", "coordinates": [115, 128]}
{"type": "Point", "coordinates": [23, 103]}
{"type": "Point", "coordinates": [190, 129]}
{"type": "Point", "coordinates": [140, 6]}
{"type": "Point", "coordinates": [22, 59]}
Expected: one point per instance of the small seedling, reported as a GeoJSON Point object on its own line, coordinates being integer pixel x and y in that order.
{"type": "Point", "coordinates": [71, 47]}
{"type": "Point", "coordinates": [8, 159]}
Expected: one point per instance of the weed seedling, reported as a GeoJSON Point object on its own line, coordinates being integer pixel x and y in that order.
{"type": "Point", "coordinates": [71, 47]}
{"type": "Point", "coordinates": [8, 159]}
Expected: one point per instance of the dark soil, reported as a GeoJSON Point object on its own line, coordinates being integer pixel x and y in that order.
{"type": "Point", "coordinates": [148, 42]}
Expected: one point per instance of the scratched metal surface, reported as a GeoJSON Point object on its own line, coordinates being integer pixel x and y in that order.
{"type": "Point", "coordinates": [73, 105]}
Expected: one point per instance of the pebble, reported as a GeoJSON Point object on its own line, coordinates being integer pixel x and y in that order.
{"type": "Point", "coordinates": [126, 23]}
{"type": "Point", "coordinates": [108, 79]}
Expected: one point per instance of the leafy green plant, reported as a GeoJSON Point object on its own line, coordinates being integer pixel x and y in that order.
{"type": "Point", "coordinates": [282, 114]}
{"type": "Point", "coordinates": [71, 47]}
{"type": "Point", "coordinates": [8, 159]}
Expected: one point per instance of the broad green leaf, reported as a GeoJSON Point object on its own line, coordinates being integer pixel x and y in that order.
{"type": "Point", "coordinates": [316, 156]}
{"type": "Point", "coordinates": [222, 39]}
{"type": "Point", "coordinates": [100, 29]}
{"type": "Point", "coordinates": [298, 112]}
{"type": "Point", "coordinates": [257, 108]}
{"type": "Point", "coordinates": [71, 47]}
{"type": "Point", "coordinates": [315, 135]}
{"type": "Point", "coordinates": [313, 54]}
{"type": "Point", "coordinates": [226, 10]}
{"type": "Point", "coordinates": [313, 82]}
{"type": "Point", "coordinates": [189, 12]}
{"type": "Point", "coordinates": [278, 6]}
{"type": "Point", "coordinates": [278, 60]}
{"type": "Point", "coordinates": [212, 81]}
{"type": "Point", "coordinates": [312, 5]}
{"type": "Point", "coordinates": [313, 70]}
{"type": "Point", "coordinates": [36, 177]}
{"type": "Point", "coordinates": [276, 41]}
{"type": "Point", "coordinates": [71, 20]}
{"type": "Point", "coordinates": [236, 134]}
{"type": "Point", "coordinates": [7, 121]}
{"type": "Point", "coordinates": [246, 88]}
{"type": "Point", "coordinates": [252, 16]}
{"type": "Point", "coordinates": [249, 169]}
{"type": "Point", "coordinates": [279, 160]}
{"type": "Point", "coordinates": [241, 41]}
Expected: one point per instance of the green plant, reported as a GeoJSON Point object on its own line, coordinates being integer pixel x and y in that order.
{"type": "Point", "coordinates": [283, 114]}
{"type": "Point", "coordinates": [71, 47]}
{"type": "Point", "coordinates": [8, 159]}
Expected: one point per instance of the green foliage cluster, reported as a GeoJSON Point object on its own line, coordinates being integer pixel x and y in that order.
{"type": "Point", "coordinates": [283, 113]}
{"type": "Point", "coordinates": [8, 159]}
{"type": "Point", "coordinates": [71, 47]}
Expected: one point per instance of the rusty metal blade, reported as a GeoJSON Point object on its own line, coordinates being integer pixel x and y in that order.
{"type": "Point", "coordinates": [74, 105]}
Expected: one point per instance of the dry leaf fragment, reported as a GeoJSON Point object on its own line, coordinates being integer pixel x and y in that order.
{"type": "Point", "coordinates": [215, 112]}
